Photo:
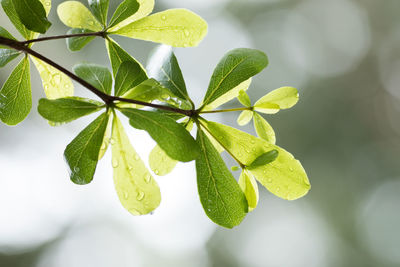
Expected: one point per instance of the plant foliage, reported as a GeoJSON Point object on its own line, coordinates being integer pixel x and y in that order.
{"type": "Point", "coordinates": [156, 101]}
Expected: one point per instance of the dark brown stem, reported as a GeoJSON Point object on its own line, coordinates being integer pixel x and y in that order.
{"type": "Point", "coordinates": [108, 99]}
{"type": "Point", "coordinates": [65, 36]}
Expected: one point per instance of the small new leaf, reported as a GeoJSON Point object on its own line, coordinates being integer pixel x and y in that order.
{"type": "Point", "coordinates": [281, 98]}
{"type": "Point", "coordinates": [244, 98]}
{"type": "Point", "coordinates": [250, 188]}
{"type": "Point", "coordinates": [75, 15]}
{"type": "Point", "coordinates": [263, 128]}
{"type": "Point", "coordinates": [98, 76]}
{"type": "Point", "coordinates": [245, 117]}
{"type": "Point", "coordinates": [65, 110]}
{"type": "Point", "coordinates": [172, 137]}
{"type": "Point", "coordinates": [32, 15]}
{"type": "Point", "coordinates": [15, 95]}
{"type": "Point", "coordinates": [77, 43]}
{"type": "Point", "coordinates": [163, 66]}
{"type": "Point", "coordinates": [220, 195]}
{"type": "Point", "coordinates": [136, 188]}
{"type": "Point", "coordinates": [235, 67]}
{"type": "Point", "coordinates": [126, 9]}
{"type": "Point", "coordinates": [175, 27]}
{"type": "Point", "coordinates": [264, 159]}
{"type": "Point", "coordinates": [82, 153]}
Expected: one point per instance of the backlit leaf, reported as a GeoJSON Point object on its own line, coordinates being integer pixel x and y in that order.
{"type": "Point", "coordinates": [107, 138]}
{"type": "Point", "coordinates": [97, 75]}
{"type": "Point", "coordinates": [250, 188]}
{"type": "Point", "coordinates": [7, 55]}
{"type": "Point", "coordinates": [175, 27]}
{"type": "Point", "coordinates": [245, 117]}
{"type": "Point", "coordinates": [77, 43]}
{"type": "Point", "coordinates": [244, 98]}
{"type": "Point", "coordinates": [32, 15]}
{"type": "Point", "coordinates": [284, 177]}
{"type": "Point", "coordinates": [221, 196]}
{"type": "Point", "coordinates": [82, 153]}
{"type": "Point", "coordinates": [64, 110]}
{"type": "Point", "coordinates": [75, 15]}
{"type": "Point", "coordinates": [281, 98]}
{"type": "Point", "coordinates": [163, 66]}
{"type": "Point", "coordinates": [129, 75]}
{"type": "Point", "coordinates": [55, 83]}
{"type": "Point", "coordinates": [118, 55]}
{"type": "Point", "coordinates": [10, 11]}
{"type": "Point", "coordinates": [99, 9]}
{"type": "Point", "coordinates": [136, 188]}
{"type": "Point", "coordinates": [145, 8]}
{"type": "Point", "coordinates": [265, 158]}
{"type": "Point", "coordinates": [235, 67]}
{"type": "Point", "coordinates": [126, 9]}
{"type": "Point", "coordinates": [15, 95]}
{"type": "Point", "coordinates": [172, 137]}
{"type": "Point", "coordinates": [263, 128]}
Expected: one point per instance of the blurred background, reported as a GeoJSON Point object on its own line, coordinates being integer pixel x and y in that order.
{"type": "Point", "coordinates": [344, 56]}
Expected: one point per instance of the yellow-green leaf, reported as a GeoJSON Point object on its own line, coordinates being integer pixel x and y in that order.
{"type": "Point", "coordinates": [228, 96]}
{"type": "Point", "coordinates": [250, 188]}
{"type": "Point", "coordinates": [281, 98]}
{"type": "Point", "coordinates": [136, 188]}
{"type": "Point", "coordinates": [263, 128]}
{"type": "Point", "coordinates": [175, 27]}
{"type": "Point", "coordinates": [106, 139]}
{"type": "Point", "coordinates": [284, 177]}
{"type": "Point", "coordinates": [55, 83]}
{"type": "Point", "coordinates": [47, 5]}
{"type": "Point", "coordinates": [245, 117]}
{"type": "Point", "coordinates": [145, 8]}
{"type": "Point", "coordinates": [75, 15]}
{"type": "Point", "coordinates": [244, 98]}
{"type": "Point", "coordinates": [160, 163]}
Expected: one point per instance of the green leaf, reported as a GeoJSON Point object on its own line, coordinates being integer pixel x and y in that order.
{"type": "Point", "coordinates": [56, 84]}
{"type": "Point", "coordinates": [82, 153]}
{"type": "Point", "coordinates": [75, 15]}
{"type": "Point", "coordinates": [281, 98]}
{"type": "Point", "coordinates": [107, 137]}
{"type": "Point", "coordinates": [151, 90]}
{"type": "Point", "coordinates": [4, 33]}
{"type": "Point", "coordinates": [118, 55]}
{"type": "Point", "coordinates": [245, 147]}
{"type": "Point", "coordinates": [250, 188]}
{"type": "Point", "coordinates": [284, 177]}
{"type": "Point", "coordinates": [245, 117]}
{"type": "Point", "coordinates": [163, 66]}
{"type": "Point", "coordinates": [145, 8]}
{"type": "Point", "coordinates": [64, 110]}
{"type": "Point", "coordinates": [244, 98]}
{"type": "Point", "coordinates": [126, 9]}
{"type": "Point", "coordinates": [129, 75]}
{"type": "Point", "coordinates": [77, 43]}
{"type": "Point", "coordinates": [99, 9]}
{"type": "Point", "coordinates": [265, 158]}
{"type": "Point", "coordinates": [15, 95]}
{"type": "Point", "coordinates": [263, 129]}
{"type": "Point", "coordinates": [221, 197]}
{"type": "Point", "coordinates": [160, 163]}
{"type": "Point", "coordinates": [176, 27]}
{"type": "Point", "coordinates": [7, 55]}
{"type": "Point", "coordinates": [136, 188]}
{"type": "Point", "coordinates": [10, 11]}
{"type": "Point", "coordinates": [32, 14]}
{"type": "Point", "coordinates": [235, 67]}
{"type": "Point", "coordinates": [98, 76]}
{"type": "Point", "coordinates": [228, 96]}
{"type": "Point", "coordinates": [172, 137]}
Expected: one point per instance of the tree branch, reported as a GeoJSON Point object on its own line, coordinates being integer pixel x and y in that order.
{"type": "Point", "coordinates": [65, 36]}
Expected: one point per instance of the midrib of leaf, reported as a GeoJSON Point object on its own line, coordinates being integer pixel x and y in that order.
{"type": "Point", "coordinates": [212, 176]}
{"type": "Point", "coordinates": [115, 19]}
{"type": "Point", "coordinates": [224, 77]}
{"type": "Point", "coordinates": [155, 122]}
{"type": "Point", "coordinates": [174, 84]}
{"type": "Point", "coordinates": [97, 79]}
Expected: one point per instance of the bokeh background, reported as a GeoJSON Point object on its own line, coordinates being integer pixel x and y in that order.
{"type": "Point", "coordinates": [344, 56]}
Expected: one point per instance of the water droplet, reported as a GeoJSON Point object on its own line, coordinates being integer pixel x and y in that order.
{"type": "Point", "coordinates": [47, 3]}
{"type": "Point", "coordinates": [46, 87]}
{"type": "Point", "coordinates": [66, 85]}
{"type": "Point", "coordinates": [137, 157]}
{"type": "Point", "coordinates": [140, 196]}
{"type": "Point", "coordinates": [69, 21]}
{"type": "Point", "coordinates": [147, 178]}
{"type": "Point", "coordinates": [126, 195]}
{"type": "Point", "coordinates": [164, 18]}
{"type": "Point", "coordinates": [130, 168]}
{"type": "Point", "coordinates": [269, 180]}
{"type": "Point", "coordinates": [278, 189]}
{"type": "Point", "coordinates": [185, 45]}
{"type": "Point", "coordinates": [115, 163]}
{"type": "Point", "coordinates": [187, 32]}
{"type": "Point", "coordinates": [112, 141]}
{"type": "Point", "coordinates": [91, 22]}
{"type": "Point", "coordinates": [291, 169]}
{"type": "Point", "coordinates": [209, 209]}
{"type": "Point", "coordinates": [143, 96]}
{"type": "Point", "coordinates": [76, 170]}
{"type": "Point", "coordinates": [165, 96]}
{"type": "Point", "coordinates": [103, 146]}
{"type": "Point", "coordinates": [252, 141]}
{"type": "Point", "coordinates": [156, 172]}
{"type": "Point", "coordinates": [134, 211]}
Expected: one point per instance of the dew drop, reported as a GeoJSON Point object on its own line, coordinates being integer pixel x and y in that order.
{"type": "Point", "coordinates": [103, 146]}
{"type": "Point", "coordinates": [115, 163]}
{"type": "Point", "coordinates": [130, 168]}
{"type": "Point", "coordinates": [112, 141]}
{"type": "Point", "coordinates": [164, 18]}
{"type": "Point", "coordinates": [269, 180]}
{"type": "Point", "coordinates": [126, 195]}
{"type": "Point", "coordinates": [291, 169]}
{"type": "Point", "coordinates": [76, 170]}
{"type": "Point", "coordinates": [165, 96]}
{"type": "Point", "coordinates": [140, 196]}
{"type": "Point", "coordinates": [66, 86]}
{"type": "Point", "coordinates": [278, 189]}
{"type": "Point", "coordinates": [91, 22]}
{"type": "Point", "coordinates": [147, 178]}
{"type": "Point", "coordinates": [69, 21]}
{"type": "Point", "coordinates": [252, 141]}
{"type": "Point", "coordinates": [187, 32]}
{"type": "Point", "coordinates": [137, 157]}
{"type": "Point", "coordinates": [156, 171]}
{"type": "Point", "coordinates": [134, 211]}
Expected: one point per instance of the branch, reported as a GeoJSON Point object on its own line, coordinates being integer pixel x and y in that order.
{"type": "Point", "coordinates": [224, 110]}
{"type": "Point", "coordinates": [65, 36]}
{"type": "Point", "coordinates": [108, 99]}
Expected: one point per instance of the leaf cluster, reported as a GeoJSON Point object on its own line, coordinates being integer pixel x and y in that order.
{"type": "Point", "coordinates": [155, 100]}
